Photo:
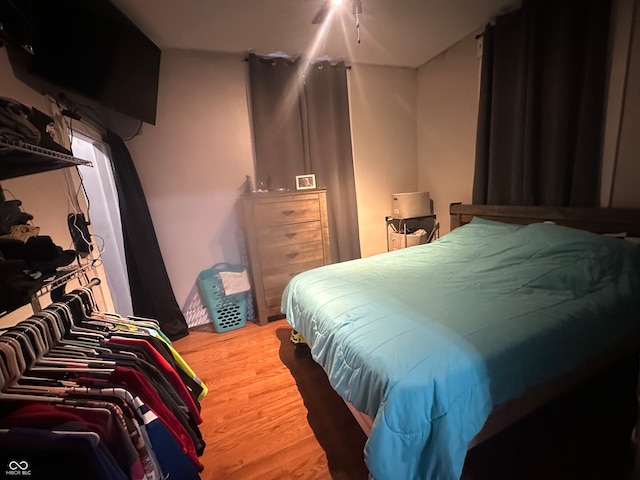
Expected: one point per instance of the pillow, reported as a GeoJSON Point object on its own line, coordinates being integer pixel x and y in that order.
{"type": "Point", "coordinates": [623, 236]}
{"type": "Point", "coordinates": [494, 223]}
{"type": "Point", "coordinates": [616, 235]}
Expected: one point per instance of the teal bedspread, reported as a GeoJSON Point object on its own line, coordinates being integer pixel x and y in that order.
{"type": "Point", "coordinates": [427, 340]}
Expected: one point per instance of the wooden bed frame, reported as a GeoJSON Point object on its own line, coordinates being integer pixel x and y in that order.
{"type": "Point", "coordinates": [597, 220]}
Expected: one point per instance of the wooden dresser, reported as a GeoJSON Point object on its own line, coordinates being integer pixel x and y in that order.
{"type": "Point", "coordinates": [287, 233]}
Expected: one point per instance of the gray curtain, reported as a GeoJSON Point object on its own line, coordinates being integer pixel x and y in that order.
{"type": "Point", "coordinates": [276, 95]}
{"type": "Point", "coordinates": [300, 116]}
{"type": "Point", "coordinates": [329, 140]}
{"type": "Point", "coordinates": [541, 105]}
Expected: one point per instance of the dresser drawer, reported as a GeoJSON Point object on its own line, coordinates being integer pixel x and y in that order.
{"type": "Point", "coordinates": [284, 235]}
{"type": "Point", "coordinates": [279, 276]}
{"type": "Point", "coordinates": [283, 213]}
{"type": "Point", "coordinates": [291, 254]}
{"type": "Point", "coordinates": [274, 310]}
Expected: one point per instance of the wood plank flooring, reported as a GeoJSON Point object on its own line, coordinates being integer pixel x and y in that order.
{"type": "Point", "coordinates": [272, 415]}
{"type": "Point", "coordinates": [269, 414]}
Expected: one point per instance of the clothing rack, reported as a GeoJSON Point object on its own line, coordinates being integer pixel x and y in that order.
{"type": "Point", "coordinates": [107, 394]}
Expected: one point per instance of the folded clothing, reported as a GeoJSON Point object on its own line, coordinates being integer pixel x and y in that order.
{"type": "Point", "coordinates": [16, 286]}
{"type": "Point", "coordinates": [45, 125]}
{"type": "Point", "coordinates": [20, 122]}
{"type": "Point", "coordinates": [39, 253]}
{"type": "Point", "coordinates": [14, 118]}
{"type": "Point", "coordinates": [10, 215]}
{"type": "Point", "coordinates": [22, 232]}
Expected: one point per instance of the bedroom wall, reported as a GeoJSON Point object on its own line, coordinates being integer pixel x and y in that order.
{"type": "Point", "coordinates": [383, 117]}
{"type": "Point", "coordinates": [625, 191]}
{"type": "Point", "coordinates": [192, 164]}
{"type": "Point", "coordinates": [447, 102]}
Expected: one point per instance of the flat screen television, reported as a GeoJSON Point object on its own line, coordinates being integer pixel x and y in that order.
{"type": "Point", "coordinates": [83, 50]}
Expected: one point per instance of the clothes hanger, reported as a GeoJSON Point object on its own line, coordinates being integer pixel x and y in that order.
{"type": "Point", "coordinates": [24, 352]}
{"type": "Point", "coordinates": [48, 358]}
{"type": "Point", "coordinates": [84, 317]}
{"type": "Point", "coordinates": [89, 296]}
{"type": "Point", "coordinates": [77, 316]}
{"type": "Point", "coordinates": [6, 394]}
{"type": "Point", "coordinates": [43, 330]}
{"type": "Point", "coordinates": [71, 329]}
{"type": "Point", "coordinates": [15, 343]}
{"type": "Point", "coordinates": [11, 370]}
{"type": "Point", "coordinates": [32, 347]}
{"type": "Point", "coordinates": [34, 351]}
{"type": "Point", "coordinates": [63, 346]}
{"type": "Point", "coordinates": [111, 323]}
{"type": "Point", "coordinates": [4, 371]}
{"type": "Point", "coordinates": [25, 348]}
{"type": "Point", "coordinates": [17, 352]}
{"type": "Point", "coordinates": [51, 323]}
{"type": "Point", "coordinates": [33, 337]}
{"type": "Point", "coordinates": [94, 313]}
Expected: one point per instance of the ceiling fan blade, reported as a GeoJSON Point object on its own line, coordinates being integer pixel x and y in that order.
{"type": "Point", "coordinates": [321, 14]}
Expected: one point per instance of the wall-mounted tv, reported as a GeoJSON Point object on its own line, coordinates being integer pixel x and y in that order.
{"type": "Point", "coordinates": [86, 50]}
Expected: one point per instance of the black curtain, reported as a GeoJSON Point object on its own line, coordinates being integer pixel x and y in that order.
{"type": "Point", "coordinates": [542, 96]}
{"type": "Point", "coordinates": [151, 292]}
{"type": "Point", "coordinates": [300, 117]}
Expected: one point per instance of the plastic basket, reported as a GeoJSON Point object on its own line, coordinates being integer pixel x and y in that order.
{"type": "Point", "coordinates": [400, 240]}
{"type": "Point", "coordinates": [228, 312]}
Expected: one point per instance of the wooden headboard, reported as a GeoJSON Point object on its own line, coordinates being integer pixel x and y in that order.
{"type": "Point", "coordinates": [597, 219]}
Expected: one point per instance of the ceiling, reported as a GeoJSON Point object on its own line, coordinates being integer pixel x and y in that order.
{"type": "Point", "coordinates": [393, 32]}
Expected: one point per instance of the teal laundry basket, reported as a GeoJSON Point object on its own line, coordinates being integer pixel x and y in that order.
{"type": "Point", "coordinates": [228, 312]}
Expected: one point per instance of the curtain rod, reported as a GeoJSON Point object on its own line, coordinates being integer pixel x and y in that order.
{"type": "Point", "coordinates": [246, 59]}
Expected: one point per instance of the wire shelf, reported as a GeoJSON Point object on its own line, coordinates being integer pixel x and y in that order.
{"type": "Point", "coordinates": [63, 279]}
{"type": "Point", "coordinates": [20, 158]}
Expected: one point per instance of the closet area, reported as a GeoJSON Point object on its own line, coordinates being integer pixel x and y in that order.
{"type": "Point", "coordinates": [85, 393]}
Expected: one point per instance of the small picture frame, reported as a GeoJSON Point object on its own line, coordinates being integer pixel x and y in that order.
{"type": "Point", "coordinates": [305, 182]}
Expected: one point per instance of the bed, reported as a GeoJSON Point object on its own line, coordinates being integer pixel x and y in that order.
{"type": "Point", "coordinates": [439, 346]}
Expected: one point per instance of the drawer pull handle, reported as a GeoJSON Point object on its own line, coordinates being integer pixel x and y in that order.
{"type": "Point", "coordinates": [292, 255]}
{"type": "Point", "coordinates": [290, 235]}
{"type": "Point", "coordinates": [286, 213]}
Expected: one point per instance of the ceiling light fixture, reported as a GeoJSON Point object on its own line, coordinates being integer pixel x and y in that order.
{"type": "Point", "coordinates": [357, 11]}
{"type": "Point", "coordinates": [330, 7]}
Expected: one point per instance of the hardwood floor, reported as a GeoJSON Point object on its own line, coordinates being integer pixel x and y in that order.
{"type": "Point", "coordinates": [269, 414]}
{"type": "Point", "coordinates": [272, 415]}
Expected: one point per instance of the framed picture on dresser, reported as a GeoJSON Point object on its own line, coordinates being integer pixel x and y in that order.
{"type": "Point", "coordinates": [305, 182]}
